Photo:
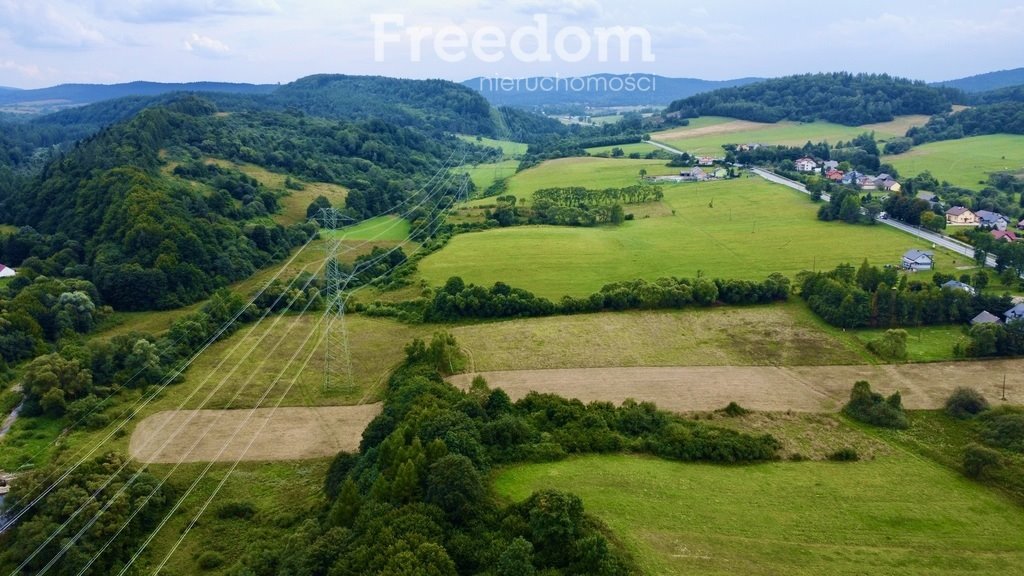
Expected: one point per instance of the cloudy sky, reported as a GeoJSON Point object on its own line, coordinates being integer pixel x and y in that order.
{"type": "Point", "coordinates": [46, 42]}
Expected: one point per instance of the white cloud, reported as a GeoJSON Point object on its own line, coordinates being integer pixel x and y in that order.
{"type": "Point", "coordinates": [569, 8]}
{"type": "Point", "coordinates": [41, 25]}
{"type": "Point", "coordinates": [206, 46]}
{"type": "Point", "coordinates": [27, 70]}
{"type": "Point", "coordinates": [140, 11]}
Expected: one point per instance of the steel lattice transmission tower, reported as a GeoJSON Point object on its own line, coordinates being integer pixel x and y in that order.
{"type": "Point", "coordinates": [337, 356]}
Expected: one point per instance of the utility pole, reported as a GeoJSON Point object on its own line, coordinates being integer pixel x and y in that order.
{"type": "Point", "coordinates": [1004, 387]}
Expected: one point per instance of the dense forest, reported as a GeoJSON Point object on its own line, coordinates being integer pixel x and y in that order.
{"type": "Point", "coordinates": [1002, 118]}
{"type": "Point", "coordinates": [843, 98]}
{"type": "Point", "coordinates": [147, 240]}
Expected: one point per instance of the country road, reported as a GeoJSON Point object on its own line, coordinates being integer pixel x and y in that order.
{"type": "Point", "coordinates": [936, 239]}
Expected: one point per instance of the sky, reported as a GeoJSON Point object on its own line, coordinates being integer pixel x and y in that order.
{"type": "Point", "coordinates": [47, 42]}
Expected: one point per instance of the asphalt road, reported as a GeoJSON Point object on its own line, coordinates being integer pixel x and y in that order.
{"type": "Point", "coordinates": [937, 240]}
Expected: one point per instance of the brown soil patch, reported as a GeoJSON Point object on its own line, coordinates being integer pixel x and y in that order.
{"type": "Point", "coordinates": [763, 388]}
{"type": "Point", "coordinates": [225, 435]}
{"type": "Point", "coordinates": [723, 128]}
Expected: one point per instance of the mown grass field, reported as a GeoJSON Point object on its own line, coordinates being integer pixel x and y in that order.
{"type": "Point", "coordinates": [483, 175]}
{"type": "Point", "coordinates": [709, 136]}
{"type": "Point", "coordinates": [641, 148]}
{"type": "Point", "coordinates": [785, 334]}
{"type": "Point", "coordinates": [753, 229]}
{"type": "Point", "coordinates": [924, 344]}
{"type": "Point", "coordinates": [379, 229]}
{"type": "Point", "coordinates": [585, 172]}
{"type": "Point", "coordinates": [966, 162]}
{"type": "Point", "coordinates": [897, 514]}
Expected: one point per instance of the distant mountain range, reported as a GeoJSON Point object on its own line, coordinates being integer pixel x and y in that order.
{"type": "Point", "coordinates": [987, 81]}
{"type": "Point", "coordinates": [599, 90]}
{"type": "Point", "coordinates": [55, 98]}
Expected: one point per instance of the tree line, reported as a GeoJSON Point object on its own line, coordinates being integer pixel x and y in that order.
{"type": "Point", "coordinates": [869, 297]}
{"type": "Point", "coordinates": [842, 98]}
{"type": "Point", "coordinates": [1000, 118]}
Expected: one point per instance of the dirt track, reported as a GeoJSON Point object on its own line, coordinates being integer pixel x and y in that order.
{"type": "Point", "coordinates": [290, 434]}
{"type": "Point", "coordinates": [768, 388]}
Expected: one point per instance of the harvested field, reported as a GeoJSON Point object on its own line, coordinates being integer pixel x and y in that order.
{"type": "Point", "coordinates": [728, 127]}
{"type": "Point", "coordinates": [225, 435]}
{"type": "Point", "coordinates": [763, 388]}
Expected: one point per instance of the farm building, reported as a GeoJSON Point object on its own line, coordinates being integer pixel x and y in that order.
{"type": "Point", "coordinates": [918, 260]}
{"type": "Point", "coordinates": [6, 272]}
{"type": "Point", "coordinates": [693, 174]}
{"type": "Point", "coordinates": [705, 161]}
{"type": "Point", "coordinates": [961, 216]}
{"type": "Point", "coordinates": [985, 317]}
{"type": "Point", "coordinates": [956, 285]}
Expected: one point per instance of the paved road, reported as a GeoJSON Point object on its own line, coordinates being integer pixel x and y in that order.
{"type": "Point", "coordinates": [936, 239]}
{"type": "Point", "coordinates": [665, 147]}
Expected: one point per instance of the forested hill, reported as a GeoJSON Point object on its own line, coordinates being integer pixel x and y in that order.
{"type": "Point", "coordinates": [1008, 94]}
{"type": "Point", "coordinates": [843, 98]}
{"type": "Point", "coordinates": [1002, 118]}
{"type": "Point", "coordinates": [107, 212]}
{"type": "Point", "coordinates": [70, 95]}
{"type": "Point", "coordinates": [986, 82]}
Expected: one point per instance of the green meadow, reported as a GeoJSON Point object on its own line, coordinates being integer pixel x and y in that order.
{"type": "Point", "coordinates": [895, 514]}
{"type": "Point", "coordinates": [483, 175]}
{"type": "Point", "coordinates": [379, 229]}
{"type": "Point", "coordinates": [8, 229]}
{"type": "Point", "coordinates": [966, 162]}
{"type": "Point", "coordinates": [585, 172]}
{"type": "Point", "coordinates": [744, 228]}
{"type": "Point", "coordinates": [508, 147]}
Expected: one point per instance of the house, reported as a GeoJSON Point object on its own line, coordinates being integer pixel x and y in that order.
{"type": "Point", "coordinates": [1015, 313]}
{"type": "Point", "coordinates": [918, 260]}
{"type": "Point", "coordinates": [961, 216]}
{"type": "Point", "coordinates": [955, 285]}
{"type": "Point", "coordinates": [1004, 236]}
{"type": "Point", "coordinates": [852, 177]}
{"type": "Point", "coordinates": [993, 220]}
{"type": "Point", "coordinates": [705, 161]}
{"type": "Point", "coordinates": [830, 165]}
{"type": "Point", "coordinates": [985, 317]}
{"type": "Point", "coordinates": [806, 164]}
{"type": "Point", "coordinates": [720, 173]}
{"type": "Point", "coordinates": [748, 147]}
{"type": "Point", "coordinates": [837, 176]}
{"type": "Point", "coordinates": [889, 185]}
{"type": "Point", "coordinates": [867, 182]}
{"type": "Point", "coordinates": [6, 272]}
{"type": "Point", "coordinates": [693, 174]}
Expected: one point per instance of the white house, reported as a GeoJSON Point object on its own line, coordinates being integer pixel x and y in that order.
{"type": "Point", "coordinates": [6, 272]}
{"type": "Point", "coordinates": [918, 260]}
{"type": "Point", "coordinates": [806, 165]}
{"type": "Point", "coordinates": [1015, 313]}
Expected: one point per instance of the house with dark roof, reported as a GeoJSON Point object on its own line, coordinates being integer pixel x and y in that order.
{"type": "Point", "coordinates": [928, 197]}
{"type": "Point", "coordinates": [918, 260]}
{"type": "Point", "coordinates": [830, 165]}
{"type": "Point", "coordinates": [956, 285]}
{"type": "Point", "coordinates": [989, 219]}
{"type": "Point", "coordinates": [852, 177]}
{"type": "Point", "coordinates": [6, 272]}
{"type": "Point", "coordinates": [985, 317]}
{"type": "Point", "coordinates": [961, 216]}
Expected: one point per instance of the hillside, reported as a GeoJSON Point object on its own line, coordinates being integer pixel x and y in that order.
{"type": "Point", "coordinates": [45, 100]}
{"type": "Point", "coordinates": [148, 240]}
{"type": "Point", "coordinates": [1002, 118]}
{"type": "Point", "coordinates": [1007, 94]}
{"type": "Point", "coordinates": [653, 90]}
{"type": "Point", "coordinates": [987, 81]}
{"type": "Point", "coordinates": [841, 98]}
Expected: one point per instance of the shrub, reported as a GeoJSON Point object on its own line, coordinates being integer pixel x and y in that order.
{"type": "Point", "coordinates": [236, 511]}
{"type": "Point", "coordinates": [734, 410]}
{"type": "Point", "coordinates": [1003, 428]}
{"type": "Point", "coordinates": [844, 455]}
{"type": "Point", "coordinates": [210, 560]}
{"type": "Point", "coordinates": [891, 346]}
{"type": "Point", "coordinates": [965, 403]}
{"type": "Point", "coordinates": [978, 460]}
{"type": "Point", "coordinates": [872, 408]}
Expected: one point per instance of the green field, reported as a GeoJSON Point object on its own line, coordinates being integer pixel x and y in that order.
{"type": "Point", "coordinates": [924, 344]}
{"type": "Point", "coordinates": [641, 148]}
{"type": "Point", "coordinates": [896, 514]}
{"type": "Point", "coordinates": [8, 229]}
{"type": "Point", "coordinates": [966, 162]}
{"type": "Point", "coordinates": [508, 147]}
{"type": "Point", "coordinates": [755, 228]}
{"type": "Point", "coordinates": [585, 172]}
{"type": "Point", "coordinates": [379, 229]}
{"type": "Point", "coordinates": [483, 175]}
{"type": "Point", "coordinates": [708, 137]}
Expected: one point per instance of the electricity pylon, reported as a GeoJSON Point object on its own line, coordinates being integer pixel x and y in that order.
{"type": "Point", "coordinates": [337, 356]}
